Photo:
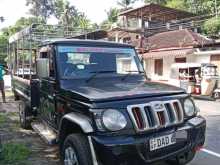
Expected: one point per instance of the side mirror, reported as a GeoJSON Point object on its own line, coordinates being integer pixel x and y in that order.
{"type": "Point", "coordinates": [43, 70]}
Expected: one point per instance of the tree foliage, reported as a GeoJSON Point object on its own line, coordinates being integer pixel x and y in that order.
{"type": "Point", "coordinates": [65, 13]}
{"type": "Point", "coordinates": [3, 48]}
{"type": "Point", "coordinates": [112, 18]}
{"type": "Point", "coordinates": [177, 4]}
{"type": "Point", "coordinates": [159, 2]}
{"type": "Point", "coordinates": [41, 8]}
{"type": "Point", "coordinates": [212, 26]}
{"type": "Point", "coordinates": [125, 3]}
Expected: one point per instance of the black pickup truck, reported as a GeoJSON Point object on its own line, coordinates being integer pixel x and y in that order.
{"type": "Point", "coordinates": [92, 98]}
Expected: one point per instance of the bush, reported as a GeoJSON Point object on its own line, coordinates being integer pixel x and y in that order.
{"type": "Point", "coordinates": [212, 26]}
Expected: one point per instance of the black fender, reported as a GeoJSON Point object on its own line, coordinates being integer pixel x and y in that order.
{"type": "Point", "coordinates": [82, 121]}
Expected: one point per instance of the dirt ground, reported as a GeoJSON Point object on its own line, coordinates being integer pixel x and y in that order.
{"type": "Point", "coordinates": [10, 131]}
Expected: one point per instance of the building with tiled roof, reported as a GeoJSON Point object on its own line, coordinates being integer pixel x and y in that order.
{"type": "Point", "coordinates": [179, 46]}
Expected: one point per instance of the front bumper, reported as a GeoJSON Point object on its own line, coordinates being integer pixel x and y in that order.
{"type": "Point", "coordinates": [135, 149]}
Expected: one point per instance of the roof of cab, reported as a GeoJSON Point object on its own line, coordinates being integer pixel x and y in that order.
{"type": "Point", "coordinates": [86, 43]}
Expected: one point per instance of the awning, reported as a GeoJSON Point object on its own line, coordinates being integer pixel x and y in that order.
{"type": "Point", "coordinates": [176, 53]}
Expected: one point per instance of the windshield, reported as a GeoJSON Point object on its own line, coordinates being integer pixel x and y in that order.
{"type": "Point", "coordinates": [83, 62]}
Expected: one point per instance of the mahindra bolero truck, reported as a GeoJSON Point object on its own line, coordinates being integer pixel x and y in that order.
{"type": "Point", "coordinates": [93, 99]}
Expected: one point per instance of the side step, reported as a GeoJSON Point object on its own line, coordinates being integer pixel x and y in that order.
{"type": "Point", "coordinates": [46, 133]}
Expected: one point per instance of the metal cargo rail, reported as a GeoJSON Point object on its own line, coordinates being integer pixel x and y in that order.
{"type": "Point", "coordinates": [23, 45]}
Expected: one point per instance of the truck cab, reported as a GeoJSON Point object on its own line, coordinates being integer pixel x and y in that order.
{"type": "Point", "coordinates": [93, 99]}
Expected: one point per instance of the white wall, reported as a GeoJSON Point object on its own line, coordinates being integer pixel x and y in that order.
{"type": "Point", "coordinates": [168, 61]}
{"type": "Point", "coordinates": [149, 68]}
{"type": "Point", "coordinates": [203, 58]}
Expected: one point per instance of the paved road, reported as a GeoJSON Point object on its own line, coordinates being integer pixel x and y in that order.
{"type": "Point", "coordinates": [211, 152]}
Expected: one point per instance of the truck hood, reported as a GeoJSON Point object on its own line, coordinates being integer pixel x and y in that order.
{"type": "Point", "coordinates": [110, 91]}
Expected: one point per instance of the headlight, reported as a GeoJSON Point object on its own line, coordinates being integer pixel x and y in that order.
{"type": "Point", "coordinates": [189, 107]}
{"type": "Point", "coordinates": [113, 120]}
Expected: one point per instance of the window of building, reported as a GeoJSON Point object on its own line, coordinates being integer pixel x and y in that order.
{"type": "Point", "coordinates": [180, 60]}
{"type": "Point", "coordinates": [158, 67]}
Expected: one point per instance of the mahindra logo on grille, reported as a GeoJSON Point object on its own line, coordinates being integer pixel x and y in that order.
{"type": "Point", "coordinates": [158, 106]}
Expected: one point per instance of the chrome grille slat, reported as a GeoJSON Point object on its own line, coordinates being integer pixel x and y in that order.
{"type": "Point", "coordinates": [159, 114]}
{"type": "Point", "coordinates": [146, 122]}
{"type": "Point", "coordinates": [173, 111]}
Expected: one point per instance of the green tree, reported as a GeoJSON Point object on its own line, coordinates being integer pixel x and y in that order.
{"type": "Point", "coordinates": [126, 3]}
{"type": "Point", "coordinates": [160, 2]}
{"type": "Point", "coordinates": [84, 22]}
{"type": "Point", "coordinates": [112, 18]}
{"type": "Point", "coordinates": [202, 6]}
{"type": "Point", "coordinates": [68, 15]}
{"type": "Point", "coordinates": [113, 15]}
{"type": "Point", "coordinates": [212, 27]}
{"type": "Point", "coordinates": [20, 24]}
{"type": "Point", "coordinates": [177, 4]}
{"type": "Point", "coordinates": [41, 8]}
{"type": "Point", "coordinates": [3, 48]}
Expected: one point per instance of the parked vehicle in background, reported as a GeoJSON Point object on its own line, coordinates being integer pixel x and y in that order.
{"type": "Point", "coordinates": [200, 80]}
{"type": "Point", "coordinates": [92, 98]}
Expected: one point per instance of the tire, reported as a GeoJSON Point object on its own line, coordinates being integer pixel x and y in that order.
{"type": "Point", "coordinates": [24, 115]}
{"type": "Point", "coordinates": [216, 95]}
{"type": "Point", "coordinates": [77, 146]}
{"type": "Point", "coordinates": [16, 97]}
{"type": "Point", "coordinates": [182, 159]}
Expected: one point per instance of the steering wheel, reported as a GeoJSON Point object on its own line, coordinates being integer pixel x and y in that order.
{"type": "Point", "coordinates": [70, 70]}
{"type": "Point", "coordinates": [80, 66]}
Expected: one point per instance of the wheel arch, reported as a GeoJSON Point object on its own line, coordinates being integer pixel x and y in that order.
{"type": "Point", "coordinates": [74, 123]}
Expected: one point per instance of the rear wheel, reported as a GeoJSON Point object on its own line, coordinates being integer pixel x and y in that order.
{"type": "Point", "coordinates": [16, 97]}
{"type": "Point", "coordinates": [24, 115]}
{"type": "Point", "coordinates": [182, 159]}
{"type": "Point", "coordinates": [76, 150]}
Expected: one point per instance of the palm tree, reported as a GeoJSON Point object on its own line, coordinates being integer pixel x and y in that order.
{"type": "Point", "coordinates": [126, 3]}
{"type": "Point", "coordinates": [112, 18]}
{"type": "Point", "coordinates": [112, 15]}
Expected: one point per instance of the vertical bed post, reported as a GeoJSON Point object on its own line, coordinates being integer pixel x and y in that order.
{"type": "Point", "coordinates": [23, 56]}
{"type": "Point", "coordinates": [30, 60]}
{"type": "Point", "coordinates": [17, 58]}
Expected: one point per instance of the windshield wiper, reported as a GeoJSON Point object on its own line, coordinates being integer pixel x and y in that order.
{"type": "Point", "coordinates": [97, 73]}
{"type": "Point", "coordinates": [129, 73]}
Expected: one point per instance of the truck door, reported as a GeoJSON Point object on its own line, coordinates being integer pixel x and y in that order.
{"type": "Point", "coordinates": [47, 81]}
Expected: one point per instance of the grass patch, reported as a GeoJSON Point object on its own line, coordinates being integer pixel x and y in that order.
{"type": "Point", "coordinates": [12, 113]}
{"type": "Point", "coordinates": [14, 153]}
{"type": "Point", "coordinates": [3, 118]}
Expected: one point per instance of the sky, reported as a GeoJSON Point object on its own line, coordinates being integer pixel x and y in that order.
{"type": "Point", "coordinates": [95, 10]}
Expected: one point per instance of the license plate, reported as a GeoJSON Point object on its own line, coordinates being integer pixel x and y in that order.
{"type": "Point", "coordinates": [162, 141]}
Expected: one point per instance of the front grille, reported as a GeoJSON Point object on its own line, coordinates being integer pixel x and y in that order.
{"type": "Point", "coordinates": [156, 114]}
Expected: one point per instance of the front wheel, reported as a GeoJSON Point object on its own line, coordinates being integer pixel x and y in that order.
{"type": "Point", "coordinates": [76, 150]}
{"type": "Point", "coordinates": [16, 96]}
{"type": "Point", "coordinates": [24, 115]}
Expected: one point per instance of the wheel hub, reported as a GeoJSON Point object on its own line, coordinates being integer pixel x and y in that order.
{"type": "Point", "coordinates": [21, 112]}
{"type": "Point", "coordinates": [70, 157]}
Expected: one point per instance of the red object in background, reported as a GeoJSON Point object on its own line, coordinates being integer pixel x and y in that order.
{"type": "Point", "coordinates": [197, 90]}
